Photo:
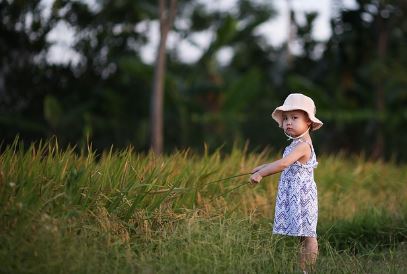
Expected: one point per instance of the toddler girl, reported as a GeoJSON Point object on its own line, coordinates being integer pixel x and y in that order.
{"type": "Point", "coordinates": [296, 211]}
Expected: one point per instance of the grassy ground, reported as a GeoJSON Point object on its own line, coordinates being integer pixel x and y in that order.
{"type": "Point", "coordinates": [126, 212]}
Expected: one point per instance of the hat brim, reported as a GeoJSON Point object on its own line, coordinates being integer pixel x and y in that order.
{"type": "Point", "coordinates": [278, 116]}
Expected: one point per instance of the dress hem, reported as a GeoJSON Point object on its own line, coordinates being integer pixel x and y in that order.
{"type": "Point", "coordinates": [295, 235]}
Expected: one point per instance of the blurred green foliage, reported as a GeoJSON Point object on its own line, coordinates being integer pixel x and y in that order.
{"type": "Point", "coordinates": [357, 78]}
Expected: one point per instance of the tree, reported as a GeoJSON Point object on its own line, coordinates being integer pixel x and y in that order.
{"type": "Point", "coordinates": [167, 11]}
{"type": "Point", "coordinates": [23, 68]}
{"type": "Point", "coordinates": [359, 79]}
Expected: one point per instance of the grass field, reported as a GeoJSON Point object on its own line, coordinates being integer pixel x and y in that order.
{"type": "Point", "coordinates": [63, 211]}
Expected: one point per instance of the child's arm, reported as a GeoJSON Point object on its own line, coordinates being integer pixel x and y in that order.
{"type": "Point", "coordinates": [258, 168]}
{"type": "Point", "coordinates": [300, 151]}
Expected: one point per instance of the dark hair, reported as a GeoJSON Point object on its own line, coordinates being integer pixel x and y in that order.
{"type": "Point", "coordinates": [306, 114]}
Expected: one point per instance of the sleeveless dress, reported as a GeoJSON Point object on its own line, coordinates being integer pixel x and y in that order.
{"type": "Point", "coordinates": [296, 212]}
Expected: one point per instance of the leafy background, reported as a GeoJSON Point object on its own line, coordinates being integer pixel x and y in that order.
{"type": "Point", "coordinates": [356, 77]}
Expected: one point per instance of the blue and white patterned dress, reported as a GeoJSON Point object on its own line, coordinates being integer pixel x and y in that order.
{"type": "Point", "coordinates": [296, 212]}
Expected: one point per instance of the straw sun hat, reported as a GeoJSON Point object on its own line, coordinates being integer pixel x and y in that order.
{"type": "Point", "coordinates": [297, 101]}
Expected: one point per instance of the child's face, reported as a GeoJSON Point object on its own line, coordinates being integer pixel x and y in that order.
{"type": "Point", "coordinates": [295, 122]}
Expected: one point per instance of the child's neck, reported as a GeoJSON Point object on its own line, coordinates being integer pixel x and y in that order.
{"type": "Point", "coordinates": [305, 134]}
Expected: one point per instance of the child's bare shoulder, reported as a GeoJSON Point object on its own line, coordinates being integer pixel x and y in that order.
{"type": "Point", "coordinates": [303, 146]}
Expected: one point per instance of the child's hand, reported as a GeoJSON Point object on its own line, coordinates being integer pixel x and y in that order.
{"type": "Point", "coordinates": [255, 178]}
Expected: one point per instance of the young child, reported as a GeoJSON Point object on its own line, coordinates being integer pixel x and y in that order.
{"type": "Point", "coordinates": [296, 211]}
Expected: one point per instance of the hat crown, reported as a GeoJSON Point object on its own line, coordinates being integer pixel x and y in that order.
{"type": "Point", "coordinates": [300, 101]}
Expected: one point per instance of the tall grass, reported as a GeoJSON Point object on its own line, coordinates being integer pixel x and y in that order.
{"type": "Point", "coordinates": [125, 212]}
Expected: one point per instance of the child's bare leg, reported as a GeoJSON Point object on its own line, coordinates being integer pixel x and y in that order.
{"type": "Point", "coordinates": [308, 253]}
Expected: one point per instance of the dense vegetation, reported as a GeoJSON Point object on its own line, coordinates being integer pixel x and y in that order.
{"type": "Point", "coordinates": [125, 211]}
{"type": "Point", "coordinates": [356, 77]}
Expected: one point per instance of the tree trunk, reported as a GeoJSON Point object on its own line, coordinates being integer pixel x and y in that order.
{"type": "Point", "coordinates": [167, 14]}
{"type": "Point", "coordinates": [292, 32]}
{"type": "Point", "coordinates": [382, 41]}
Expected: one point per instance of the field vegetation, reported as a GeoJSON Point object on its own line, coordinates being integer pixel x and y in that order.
{"type": "Point", "coordinates": [76, 210]}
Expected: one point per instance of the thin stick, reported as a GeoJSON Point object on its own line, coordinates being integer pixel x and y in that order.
{"type": "Point", "coordinates": [234, 176]}
{"type": "Point", "coordinates": [222, 194]}
{"type": "Point", "coordinates": [231, 177]}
